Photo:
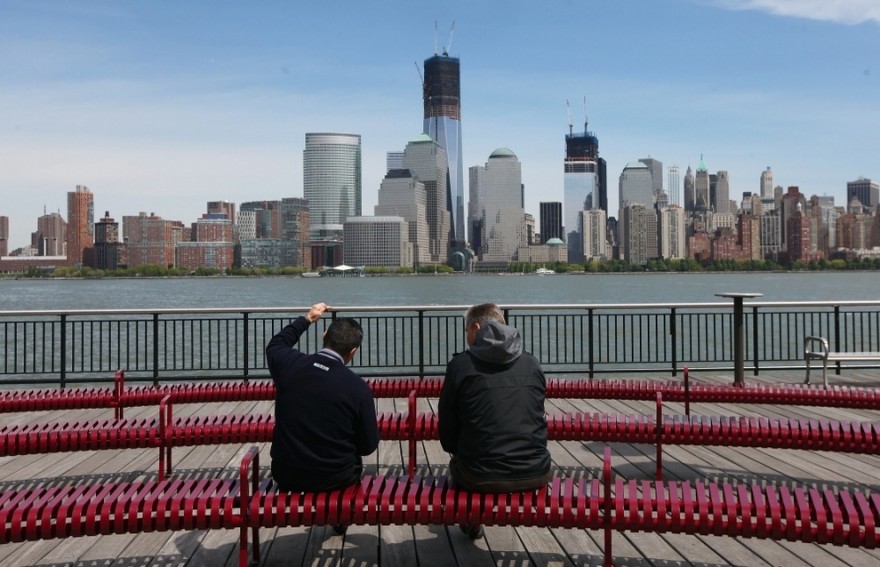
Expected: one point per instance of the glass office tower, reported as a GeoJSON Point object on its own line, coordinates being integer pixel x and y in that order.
{"type": "Point", "coordinates": [581, 190]}
{"type": "Point", "coordinates": [331, 182]}
{"type": "Point", "coordinates": [442, 102]}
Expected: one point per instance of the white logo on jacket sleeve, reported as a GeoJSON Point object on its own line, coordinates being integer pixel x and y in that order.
{"type": "Point", "coordinates": [321, 366]}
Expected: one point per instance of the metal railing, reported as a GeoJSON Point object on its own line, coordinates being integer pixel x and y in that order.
{"type": "Point", "coordinates": [154, 345]}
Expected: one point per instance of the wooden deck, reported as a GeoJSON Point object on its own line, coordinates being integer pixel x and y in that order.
{"type": "Point", "coordinates": [441, 546]}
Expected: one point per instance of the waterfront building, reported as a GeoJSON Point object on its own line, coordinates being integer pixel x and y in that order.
{"type": "Point", "coordinates": [266, 218]}
{"type": "Point", "coordinates": [377, 241]}
{"type": "Point", "coordinates": [531, 236]}
{"type": "Point", "coordinates": [865, 190]}
{"type": "Point", "coordinates": [427, 161]}
{"type": "Point", "coordinates": [792, 201]}
{"type": "Point", "coordinates": [550, 220]}
{"type": "Point", "coordinates": [770, 235]}
{"type": "Point", "coordinates": [655, 167]}
{"type": "Point", "coordinates": [672, 226]}
{"type": "Point", "coordinates": [635, 186]}
{"type": "Point", "coordinates": [854, 230]}
{"type": "Point", "coordinates": [261, 252]}
{"type": "Point", "coordinates": [720, 220]}
{"type": "Point", "coordinates": [4, 236]}
{"type": "Point", "coordinates": [210, 244]}
{"type": "Point", "coordinates": [402, 195]}
{"type": "Point", "coordinates": [331, 181]}
{"type": "Point", "coordinates": [798, 236]}
{"type": "Point", "coordinates": [748, 232]}
{"type": "Point", "coordinates": [699, 246]}
{"type": "Point", "coordinates": [109, 251]}
{"type": "Point", "coordinates": [702, 200]}
{"type": "Point", "coordinates": [638, 228]}
{"type": "Point", "coordinates": [553, 251]}
{"type": "Point", "coordinates": [222, 208]}
{"type": "Point", "coordinates": [441, 98]}
{"type": "Point", "coordinates": [593, 227]}
{"type": "Point", "coordinates": [673, 185]}
{"type": "Point", "coordinates": [51, 235]}
{"type": "Point", "coordinates": [247, 225]}
{"type": "Point", "coordinates": [689, 197]}
{"type": "Point", "coordinates": [295, 217]}
{"type": "Point", "coordinates": [80, 225]}
{"type": "Point", "coordinates": [721, 194]}
{"type": "Point", "coordinates": [150, 239]}
{"type": "Point", "coordinates": [497, 187]}
{"type": "Point", "coordinates": [581, 184]}
{"type": "Point", "coordinates": [766, 190]}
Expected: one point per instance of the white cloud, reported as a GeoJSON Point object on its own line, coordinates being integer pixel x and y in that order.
{"type": "Point", "coordinates": [840, 11]}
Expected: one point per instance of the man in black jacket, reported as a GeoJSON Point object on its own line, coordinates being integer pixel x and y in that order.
{"type": "Point", "coordinates": [491, 411]}
{"type": "Point", "coordinates": [325, 420]}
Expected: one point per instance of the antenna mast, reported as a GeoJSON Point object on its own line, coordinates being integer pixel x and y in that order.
{"type": "Point", "coordinates": [435, 37]}
{"type": "Point", "coordinates": [570, 124]}
{"type": "Point", "coordinates": [586, 120]}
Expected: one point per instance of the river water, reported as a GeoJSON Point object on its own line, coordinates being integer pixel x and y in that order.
{"type": "Point", "coordinates": [57, 294]}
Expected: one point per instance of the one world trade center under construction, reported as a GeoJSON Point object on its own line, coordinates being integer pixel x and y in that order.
{"type": "Point", "coordinates": [442, 99]}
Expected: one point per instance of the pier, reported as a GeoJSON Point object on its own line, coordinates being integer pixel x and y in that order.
{"type": "Point", "coordinates": [439, 545]}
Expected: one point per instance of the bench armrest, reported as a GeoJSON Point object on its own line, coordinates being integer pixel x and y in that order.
{"type": "Point", "coordinates": [815, 347]}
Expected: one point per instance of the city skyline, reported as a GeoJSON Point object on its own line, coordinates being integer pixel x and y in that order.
{"type": "Point", "coordinates": [162, 108]}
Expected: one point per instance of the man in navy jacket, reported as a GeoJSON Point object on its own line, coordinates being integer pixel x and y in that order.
{"type": "Point", "coordinates": [325, 420]}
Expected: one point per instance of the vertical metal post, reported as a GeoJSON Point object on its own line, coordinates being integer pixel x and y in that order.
{"type": "Point", "coordinates": [245, 343]}
{"type": "Point", "coordinates": [421, 344]}
{"type": "Point", "coordinates": [63, 350]}
{"type": "Point", "coordinates": [738, 350]}
{"type": "Point", "coordinates": [155, 349]}
{"type": "Point", "coordinates": [837, 336]}
{"type": "Point", "coordinates": [590, 340]}
{"type": "Point", "coordinates": [755, 357]}
{"type": "Point", "coordinates": [673, 332]}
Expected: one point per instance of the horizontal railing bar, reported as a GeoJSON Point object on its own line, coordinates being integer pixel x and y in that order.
{"type": "Point", "coordinates": [439, 308]}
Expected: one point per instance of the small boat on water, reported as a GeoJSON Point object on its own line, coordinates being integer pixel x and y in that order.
{"type": "Point", "coordinates": [544, 271]}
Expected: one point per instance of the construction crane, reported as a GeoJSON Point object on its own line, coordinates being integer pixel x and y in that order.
{"type": "Point", "coordinates": [419, 71]}
{"type": "Point", "coordinates": [449, 42]}
{"type": "Point", "coordinates": [570, 123]}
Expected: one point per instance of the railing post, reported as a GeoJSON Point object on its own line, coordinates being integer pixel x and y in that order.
{"type": "Point", "coordinates": [673, 333]}
{"type": "Point", "coordinates": [421, 343]}
{"type": "Point", "coordinates": [63, 351]}
{"type": "Point", "coordinates": [837, 336]}
{"type": "Point", "coordinates": [590, 340]}
{"type": "Point", "coordinates": [755, 357]}
{"type": "Point", "coordinates": [245, 343]}
{"type": "Point", "coordinates": [155, 349]}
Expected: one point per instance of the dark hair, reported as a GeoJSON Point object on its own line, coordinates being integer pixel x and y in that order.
{"type": "Point", "coordinates": [482, 313]}
{"type": "Point", "coordinates": [343, 334]}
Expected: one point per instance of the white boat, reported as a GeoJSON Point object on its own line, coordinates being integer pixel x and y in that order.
{"type": "Point", "coordinates": [544, 272]}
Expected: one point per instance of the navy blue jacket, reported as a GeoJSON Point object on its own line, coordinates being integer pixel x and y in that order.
{"type": "Point", "coordinates": [324, 413]}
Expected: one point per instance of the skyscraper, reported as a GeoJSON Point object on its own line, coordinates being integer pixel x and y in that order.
{"type": "Point", "coordinates": [4, 236]}
{"type": "Point", "coordinates": [865, 190]}
{"type": "Point", "coordinates": [80, 224]}
{"type": "Point", "coordinates": [427, 162]}
{"type": "Point", "coordinates": [498, 189]}
{"type": "Point", "coordinates": [581, 184]}
{"type": "Point", "coordinates": [655, 166]}
{"type": "Point", "coordinates": [673, 185]}
{"type": "Point", "coordinates": [109, 252]}
{"type": "Point", "coordinates": [636, 185]}
{"type": "Point", "coordinates": [331, 181]}
{"type": "Point", "coordinates": [767, 184]}
{"type": "Point", "coordinates": [702, 199]}
{"type": "Point", "coordinates": [722, 192]}
{"type": "Point", "coordinates": [551, 221]}
{"type": "Point", "coordinates": [441, 95]}
{"type": "Point", "coordinates": [401, 195]}
{"type": "Point", "coordinates": [689, 197]}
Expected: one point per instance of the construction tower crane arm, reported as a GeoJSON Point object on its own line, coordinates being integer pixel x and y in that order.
{"type": "Point", "coordinates": [449, 41]}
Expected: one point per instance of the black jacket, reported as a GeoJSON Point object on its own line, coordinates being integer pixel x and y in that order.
{"type": "Point", "coordinates": [324, 413]}
{"type": "Point", "coordinates": [491, 409]}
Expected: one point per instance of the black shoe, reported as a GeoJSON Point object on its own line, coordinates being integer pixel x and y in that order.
{"type": "Point", "coordinates": [340, 529]}
{"type": "Point", "coordinates": [473, 531]}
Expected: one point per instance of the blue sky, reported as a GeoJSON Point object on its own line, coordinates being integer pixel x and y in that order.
{"type": "Point", "coordinates": [162, 106]}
